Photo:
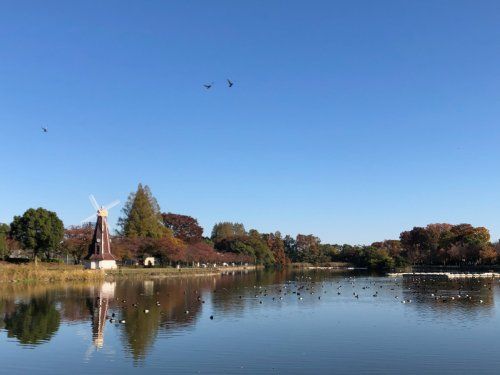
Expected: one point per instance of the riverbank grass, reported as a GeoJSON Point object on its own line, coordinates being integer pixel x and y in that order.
{"type": "Point", "coordinates": [46, 272]}
{"type": "Point", "coordinates": [54, 272]}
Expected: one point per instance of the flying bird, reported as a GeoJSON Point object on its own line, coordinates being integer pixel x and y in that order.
{"type": "Point", "coordinates": [45, 129]}
{"type": "Point", "coordinates": [230, 83]}
{"type": "Point", "coordinates": [208, 86]}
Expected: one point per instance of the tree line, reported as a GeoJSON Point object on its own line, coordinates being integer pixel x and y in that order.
{"type": "Point", "coordinates": [144, 230]}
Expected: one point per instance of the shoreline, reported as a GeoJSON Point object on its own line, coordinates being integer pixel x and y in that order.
{"type": "Point", "coordinates": [30, 273]}
{"type": "Point", "coordinates": [53, 272]}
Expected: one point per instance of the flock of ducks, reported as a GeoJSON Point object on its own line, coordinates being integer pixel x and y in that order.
{"type": "Point", "coordinates": [305, 285]}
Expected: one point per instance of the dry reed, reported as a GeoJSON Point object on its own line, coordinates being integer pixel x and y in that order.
{"type": "Point", "coordinates": [43, 272]}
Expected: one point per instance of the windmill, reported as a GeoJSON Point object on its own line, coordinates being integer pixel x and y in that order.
{"type": "Point", "coordinates": [99, 255]}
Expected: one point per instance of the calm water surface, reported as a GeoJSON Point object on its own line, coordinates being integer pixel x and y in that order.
{"type": "Point", "coordinates": [310, 329]}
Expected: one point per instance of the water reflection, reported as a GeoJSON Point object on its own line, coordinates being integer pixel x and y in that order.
{"type": "Point", "coordinates": [33, 322]}
{"type": "Point", "coordinates": [470, 299]}
{"type": "Point", "coordinates": [98, 306]}
{"type": "Point", "coordinates": [139, 313]}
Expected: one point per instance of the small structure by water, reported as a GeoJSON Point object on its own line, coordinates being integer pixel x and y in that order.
{"type": "Point", "coordinates": [148, 262]}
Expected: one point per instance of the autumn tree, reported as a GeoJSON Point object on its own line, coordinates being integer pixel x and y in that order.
{"type": "Point", "coordinates": [38, 230]}
{"type": "Point", "coordinates": [201, 252]}
{"type": "Point", "coordinates": [227, 230]}
{"type": "Point", "coordinates": [168, 249]}
{"type": "Point", "coordinates": [473, 241]}
{"type": "Point", "coordinates": [307, 247]}
{"type": "Point", "coordinates": [416, 244]}
{"type": "Point", "coordinates": [126, 248]}
{"type": "Point", "coordinates": [488, 254]}
{"type": "Point", "coordinates": [444, 243]}
{"type": "Point", "coordinates": [141, 215]}
{"type": "Point", "coordinates": [77, 240]}
{"type": "Point", "coordinates": [277, 247]}
{"type": "Point", "coordinates": [185, 228]}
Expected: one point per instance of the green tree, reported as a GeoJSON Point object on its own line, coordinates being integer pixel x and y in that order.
{"type": "Point", "coordinates": [394, 250]}
{"type": "Point", "coordinates": [141, 215]}
{"type": "Point", "coordinates": [4, 232]}
{"type": "Point", "coordinates": [38, 230]}
{"type": "Point", "coordinates": [232, 238]}
{"type": "Point", "coordinates": [376, 258]}
{"type": "Point", "coordinates": [329, 252]}
{"type": "Point", "coordinates": [263, 254]}
{"type": "Point", "coordinates": [290, 248]}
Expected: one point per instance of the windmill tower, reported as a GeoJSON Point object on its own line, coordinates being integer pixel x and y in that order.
{"type": "Point", "coordinates": [99, 255]}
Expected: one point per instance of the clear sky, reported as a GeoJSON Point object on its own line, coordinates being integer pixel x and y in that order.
{"type": "Point", "coordinates": [351, 120]}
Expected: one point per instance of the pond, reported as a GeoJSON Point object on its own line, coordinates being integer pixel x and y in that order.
{"type": "Point", "coordinates": [255, 322]}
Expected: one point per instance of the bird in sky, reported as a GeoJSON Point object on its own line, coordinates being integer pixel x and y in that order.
{"type": "Point", "coordinates": [230, 83]}
{"type": "Point", "coordinates": [208, 85]}
{"type": "Point", "coordinates": [45, 129]}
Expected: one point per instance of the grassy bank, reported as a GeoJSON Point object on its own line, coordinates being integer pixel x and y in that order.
{"type": "Point", "coordinates": [53, 272]}
{"type": "Point", "coordinates": [46, 272]}
{"type": "Point", "coordinates": [134, 272]}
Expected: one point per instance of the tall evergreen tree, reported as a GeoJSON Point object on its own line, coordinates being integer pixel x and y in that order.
{"type": "Point", "coordinates": [141, 215]}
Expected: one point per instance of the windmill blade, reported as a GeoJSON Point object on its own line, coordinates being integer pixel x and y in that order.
{"type": "Point", "coordinates": [90, 218]}
{"type": "Point", "coordinates": [94, 202]}
{"type": "Point", "coordinates": [112, 204]}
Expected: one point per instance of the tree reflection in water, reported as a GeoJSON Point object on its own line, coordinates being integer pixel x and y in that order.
{"type": "Point", "coordinates": [171, 304]}
{"type": "Point", "coordinates": [33, 322]}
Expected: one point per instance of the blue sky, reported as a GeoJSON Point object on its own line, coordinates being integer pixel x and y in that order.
{"type": "Point", "coordinates": [350, 120]}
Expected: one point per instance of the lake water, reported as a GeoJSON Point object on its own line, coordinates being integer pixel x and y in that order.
{"type": "Point", "coordinates": [310, 329]}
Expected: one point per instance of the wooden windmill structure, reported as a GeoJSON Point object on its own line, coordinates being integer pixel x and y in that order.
{"type": "Point", "coordinates": [99, 255]}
